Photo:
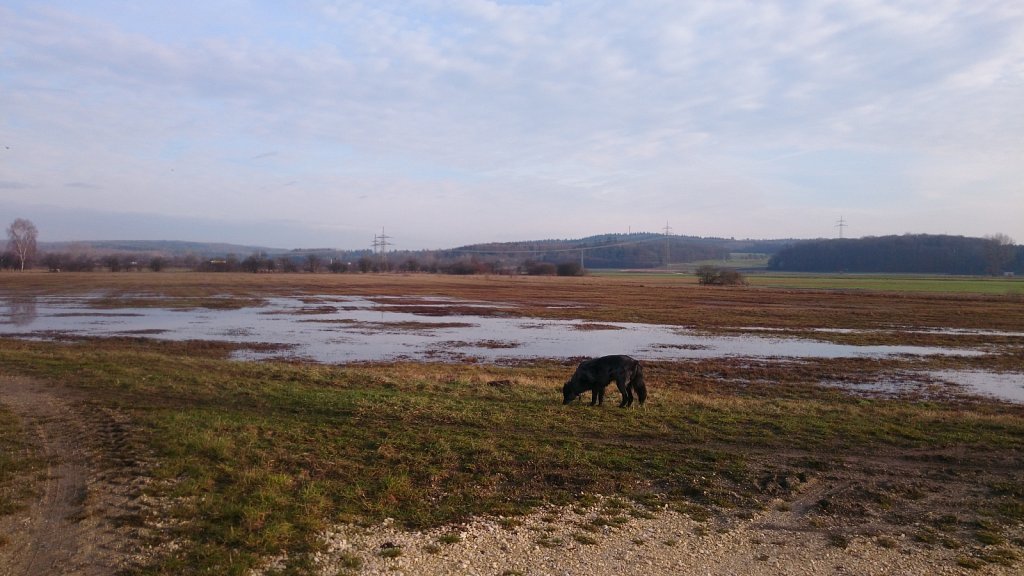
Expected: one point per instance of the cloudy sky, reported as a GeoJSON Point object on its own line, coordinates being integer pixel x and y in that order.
{"type": "Point", "coordinates": [445, 122]}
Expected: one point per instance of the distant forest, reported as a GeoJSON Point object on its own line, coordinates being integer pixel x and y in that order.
{"type": "Point", "coordinates": [911, 253]}
{"type": "Point", "coordinates": [930, 254]}
{"type": "Point", "coordinates": [565, 257]}
{"type": "Point", "coordinates": [638, 250]}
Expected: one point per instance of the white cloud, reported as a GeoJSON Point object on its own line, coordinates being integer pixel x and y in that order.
{"type": "Point", "coordinates": [567, 106]}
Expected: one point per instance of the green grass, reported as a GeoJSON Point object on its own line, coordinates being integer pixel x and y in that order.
{"type": "Point", "coordinates": [892, 283]}
{"type": "Point", "coordinates": [259, 458]}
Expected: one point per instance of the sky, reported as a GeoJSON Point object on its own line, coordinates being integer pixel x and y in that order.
{"type": "Point", "coordinates": [446, 122]}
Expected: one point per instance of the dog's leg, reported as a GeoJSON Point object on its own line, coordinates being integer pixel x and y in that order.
{"type": "Point", "coordinates": [641, 387]}
{"type": "Point", "coordinates": [627, 396]}
{"type": "Point", "coordinates": [629, 389]}
{"type": "Point", "coordinates": [630, 379]}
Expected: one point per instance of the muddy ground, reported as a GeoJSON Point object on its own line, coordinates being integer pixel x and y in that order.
{"type": "Point", "coordinates": [85, 515]}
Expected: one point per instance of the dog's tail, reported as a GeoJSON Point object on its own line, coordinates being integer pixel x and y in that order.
{"type": "Point", "coordinates": [638, 383]}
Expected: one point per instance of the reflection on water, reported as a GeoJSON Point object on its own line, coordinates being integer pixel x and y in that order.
{"type": "Point", "coordinates": [21, 310]}
{"type": "Point", "coordinates": [347, 329]}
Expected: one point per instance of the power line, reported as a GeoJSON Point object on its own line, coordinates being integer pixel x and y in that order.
{"type": "Point", "coordinates": [668, 244]}
{"type": "Point", "coordinates": [381, 243]}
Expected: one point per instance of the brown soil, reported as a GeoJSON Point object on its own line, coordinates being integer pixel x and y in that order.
{"type": "Point", "coordinates": [661, 300]}
{"type": "Point", "coordinates": [85, 518]}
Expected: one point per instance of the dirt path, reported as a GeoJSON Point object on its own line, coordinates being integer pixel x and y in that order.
{"type": "Point", "coordinates": [85, 519]}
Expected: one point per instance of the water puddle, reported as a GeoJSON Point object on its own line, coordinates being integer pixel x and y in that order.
{"type": "Point", "coordinates": [937, 385]}
{"type": "Point", "coordinates": [333, 329]}
{"type": "Point", "coordinates": [1003, 385]}
{"type": "Point", "coordinates": [900, 329]}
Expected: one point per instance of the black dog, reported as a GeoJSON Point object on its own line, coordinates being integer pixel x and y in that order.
{"type": "Point", "coordinates": [597, 373]}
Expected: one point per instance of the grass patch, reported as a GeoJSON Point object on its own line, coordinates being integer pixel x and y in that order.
{"type": "Point", "coordinates": [989, 538]}
{"type": "Point", "coordinates": [510, 523]}
{"type": "Point", "coordinates": [695, 512]}
{"type": "Point", "coordinates": [599, 522]}
{"type": "Point", "coordinates": [1001, 556]}
{"type": "Point", "coordinates": [450, 538]}
{"type": "Point", "coordinates": [350, 562]}
{"type": "Point", "coordinates": [981, 557]}
{"type": "Point", "coordinates": [642, 514]}
{"type": "Point", "coordinates": [17, 463]}
{"type": "Point", "coordinates": [970, 562]}
{"type": "Point", "coordinates": [584, 539]}
{"type": "Point", "coordinates": [891, 283]}
{"type": "Point", "coordinates": [550, 542]}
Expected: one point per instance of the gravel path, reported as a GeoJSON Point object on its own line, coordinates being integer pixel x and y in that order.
{"type": "Point", "coordinates": [571, 542]}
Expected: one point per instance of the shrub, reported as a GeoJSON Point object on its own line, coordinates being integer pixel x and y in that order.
{"type": "Point", "coordinates": [714, 276]}
{"type": "Point", "coordinates": [570, 269]}
{"type": "Point", "coordinates": [534, 268]}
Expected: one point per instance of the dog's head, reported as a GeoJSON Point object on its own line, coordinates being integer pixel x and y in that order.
{"type": "Point", "coordinates": [569, 393]}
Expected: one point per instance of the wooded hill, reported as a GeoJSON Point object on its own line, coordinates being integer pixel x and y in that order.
{"type": "Point", "coordinates": [637, 250]}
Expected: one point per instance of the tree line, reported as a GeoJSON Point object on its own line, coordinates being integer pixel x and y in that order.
{"type": "Point", "coordinates": [543, 257]}
{"type": "Point", "coordinates": [294, 263]}
{"type": "Point", "coordinates": [909, 253]}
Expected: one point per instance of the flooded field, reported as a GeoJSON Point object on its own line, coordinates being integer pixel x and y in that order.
{"type": "Point", "coordinates": [426, 400]}
{"type": "Point", "coordinates": [352, 329]}
{"type": "Point", "coordinates": [343, 329]}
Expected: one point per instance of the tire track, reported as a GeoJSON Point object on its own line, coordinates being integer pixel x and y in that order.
{"type": "Point", "coordinates": [88, 517]}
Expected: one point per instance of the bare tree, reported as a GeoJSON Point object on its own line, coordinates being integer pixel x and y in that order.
{"type": "Point", "coordinates": [708, 275]}
{"type": "Point", "coordinates": [998, 252]}
{"type": "Point", "coordinates": [113, 262]}
{"type": "Point", "coordinates": [21, 240]}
